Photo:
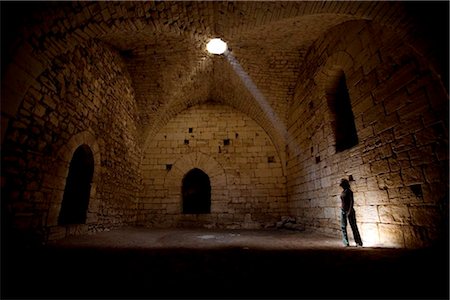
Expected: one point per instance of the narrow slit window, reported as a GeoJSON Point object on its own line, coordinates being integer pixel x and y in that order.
{"type": "Point", "coordinates": [343, 122]}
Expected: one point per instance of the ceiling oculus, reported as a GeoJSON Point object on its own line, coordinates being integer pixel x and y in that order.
{"type": "Point", "coordinates": [216, 46]}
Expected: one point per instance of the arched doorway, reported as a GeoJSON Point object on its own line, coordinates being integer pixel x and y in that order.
{"type": "Point", "coordinates": [78, 187]}
{"type": "Point", "coordinates": [196, 191]}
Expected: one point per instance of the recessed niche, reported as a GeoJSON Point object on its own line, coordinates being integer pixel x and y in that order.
{"type": "Point", "coordinates": [169, 167]}
{"type": "Point", "coordinates": [317, 159]}
{"type": "Point", "coordinates": [226, 142]}
{"type": "Point", "coordinates": [416, 189]}
{"type": "Point", "coordinates": [186, 142]}
{"type": "Point", "coordinates": [341, 109]}
{"type": "Point", "coordinates": [196, 191]}
{"type": "Point", "coordinates": [78, 187]}
{"type": "Point", "coordinates": [191, 130]}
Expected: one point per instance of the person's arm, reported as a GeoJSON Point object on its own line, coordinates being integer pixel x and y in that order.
{"type": "Point", "coordinates": [350, 195]}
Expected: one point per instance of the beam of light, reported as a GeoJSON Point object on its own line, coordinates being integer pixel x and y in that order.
{"type": "Point", "coordinates": [261, 100]}
{"type": "Point", "coordinates": [370, 235]}
{"type": "Point", "coordinates": [370, 232]}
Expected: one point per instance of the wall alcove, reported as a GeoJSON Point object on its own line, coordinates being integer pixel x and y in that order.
{"type": "Point", "coordinates": [78, 186]}
{"type": "Point", "coordinates": [196, 191]}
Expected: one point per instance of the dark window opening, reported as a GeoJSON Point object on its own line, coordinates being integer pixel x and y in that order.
{"type": "Point", "coordinates": [196, 191]}
{"type": "Point", "coordinates": [226, 142]}
{"type": "Point", "coordinates": [416, 189]}
{"type": "Point", "coordinates": [191, 130]}
{"type": "Point", "coordinates": [317, 159]}
{"type": "Point", "coordinates": [168, 167]}
{"type": "Point", "coordinates": [78, 187]}
{"type": "Point", "coordinates": [344, 120]}
{"type": "Point", "coordinates": [186, 142]}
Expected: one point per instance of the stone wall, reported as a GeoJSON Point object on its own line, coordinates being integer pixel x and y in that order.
{"type": "Point", "coordinates": [399, 166]}
{"type": "Point", "coordinates": [63, 87]}
{"type": "Point", "coordinates": [247, 180]}
{"type": "Point", "coordinates": [83, 98]}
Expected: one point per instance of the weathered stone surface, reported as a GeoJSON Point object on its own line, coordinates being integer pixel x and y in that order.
{"type": "Point", "coordinates": [126, 80]}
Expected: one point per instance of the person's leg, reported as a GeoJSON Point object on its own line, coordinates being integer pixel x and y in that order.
{"type": "Point", "coordinates": [344, 228]}
{"type": "Point", "coordinates": [352, 221]}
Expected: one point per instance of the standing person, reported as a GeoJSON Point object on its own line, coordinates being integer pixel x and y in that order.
{"type": "Point", "coordinates": [347, 211]}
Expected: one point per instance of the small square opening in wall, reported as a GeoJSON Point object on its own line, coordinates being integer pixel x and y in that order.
{"type": "Point", "coordinates": [191, 130]}
{"type": "Point", "coordinates": [416, 189]}
{"type": "Point", "coordinates": [186, 142]}
{"type": "Point", "coordinates": [317, 159]}
{"type": "Point", "coordinates": [168, 167]}
{"type": "Point", "coordinates": [226, 142]}
{"type": "Point", "coordinates": [271, 159]}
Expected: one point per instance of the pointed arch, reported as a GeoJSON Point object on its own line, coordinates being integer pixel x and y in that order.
{"type": "Point", "coordinates": [56, 181]}
{"type": "Point", "coordinates": [207, 165]}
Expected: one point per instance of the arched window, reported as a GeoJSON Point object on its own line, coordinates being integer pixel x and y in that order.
{"type": "Point", "coordinates": [343, 122]}
{"type": "Point", "coordinates": [78, 187]}
{"type": "Point", "coordinates": [196, 191]}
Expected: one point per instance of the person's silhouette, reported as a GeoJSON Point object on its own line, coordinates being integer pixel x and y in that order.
{"type": "Point", "coordinates": [347, 211]}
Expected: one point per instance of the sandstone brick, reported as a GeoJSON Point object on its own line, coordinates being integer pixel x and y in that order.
{"type": "Point", "coordinates": [367, 213]}
{"type": "Point", "coordinates": [423, 216]}
{"type": "Point", "coordinates": [395, 98]}
{"type": "Point", "coordinates": [379, 167]}
{"type": "Point", "coordinates": [389, 180]}
{"type": "Point", "coordinates": [391, 235]}
{"type": "Point", "coordinates": [369, 233]}
{"type": "Point", "coordinates": [412, 175]}
{"type": "Point", "coordinates": [375, 197]}
{"type": "Point", "coordinates": [394, 214]}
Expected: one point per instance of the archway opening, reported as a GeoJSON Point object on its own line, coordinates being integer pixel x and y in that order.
{"type": "Point", "coordinates": [196, 191]}
{"type": "Point", "coordinates": [78, 187]}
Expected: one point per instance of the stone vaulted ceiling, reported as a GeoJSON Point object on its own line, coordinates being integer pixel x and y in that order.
{"type": "Point", "coordinates": [163, 46]}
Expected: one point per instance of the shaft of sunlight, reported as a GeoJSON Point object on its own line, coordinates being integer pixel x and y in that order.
{"type": "Point", "coordinates": [259, 97]}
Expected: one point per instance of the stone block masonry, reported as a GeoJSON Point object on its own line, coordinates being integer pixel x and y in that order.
{"type": "Point", "coordinates": [132, 83]}
{"type": "Point", "coordinates": [400, 173]}
{"type": "Point", "coordinates": [83, 98]}
{"type": "Point", "coordinates": [247, 180]}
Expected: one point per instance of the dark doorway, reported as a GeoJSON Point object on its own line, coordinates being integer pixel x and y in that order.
{"type": "Point", "coordinates": [196, 192]}
{"type": "Point", "coordinates": [78, 187]}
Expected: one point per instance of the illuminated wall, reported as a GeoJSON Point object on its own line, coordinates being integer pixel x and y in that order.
{"type": "Point", "coordinates": [399, 165]}
{"type": "Point", "coordinates": [247, 180]}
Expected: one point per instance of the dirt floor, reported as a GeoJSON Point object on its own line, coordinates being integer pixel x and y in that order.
{"type": "Point", "coordinates": [133, 263]}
